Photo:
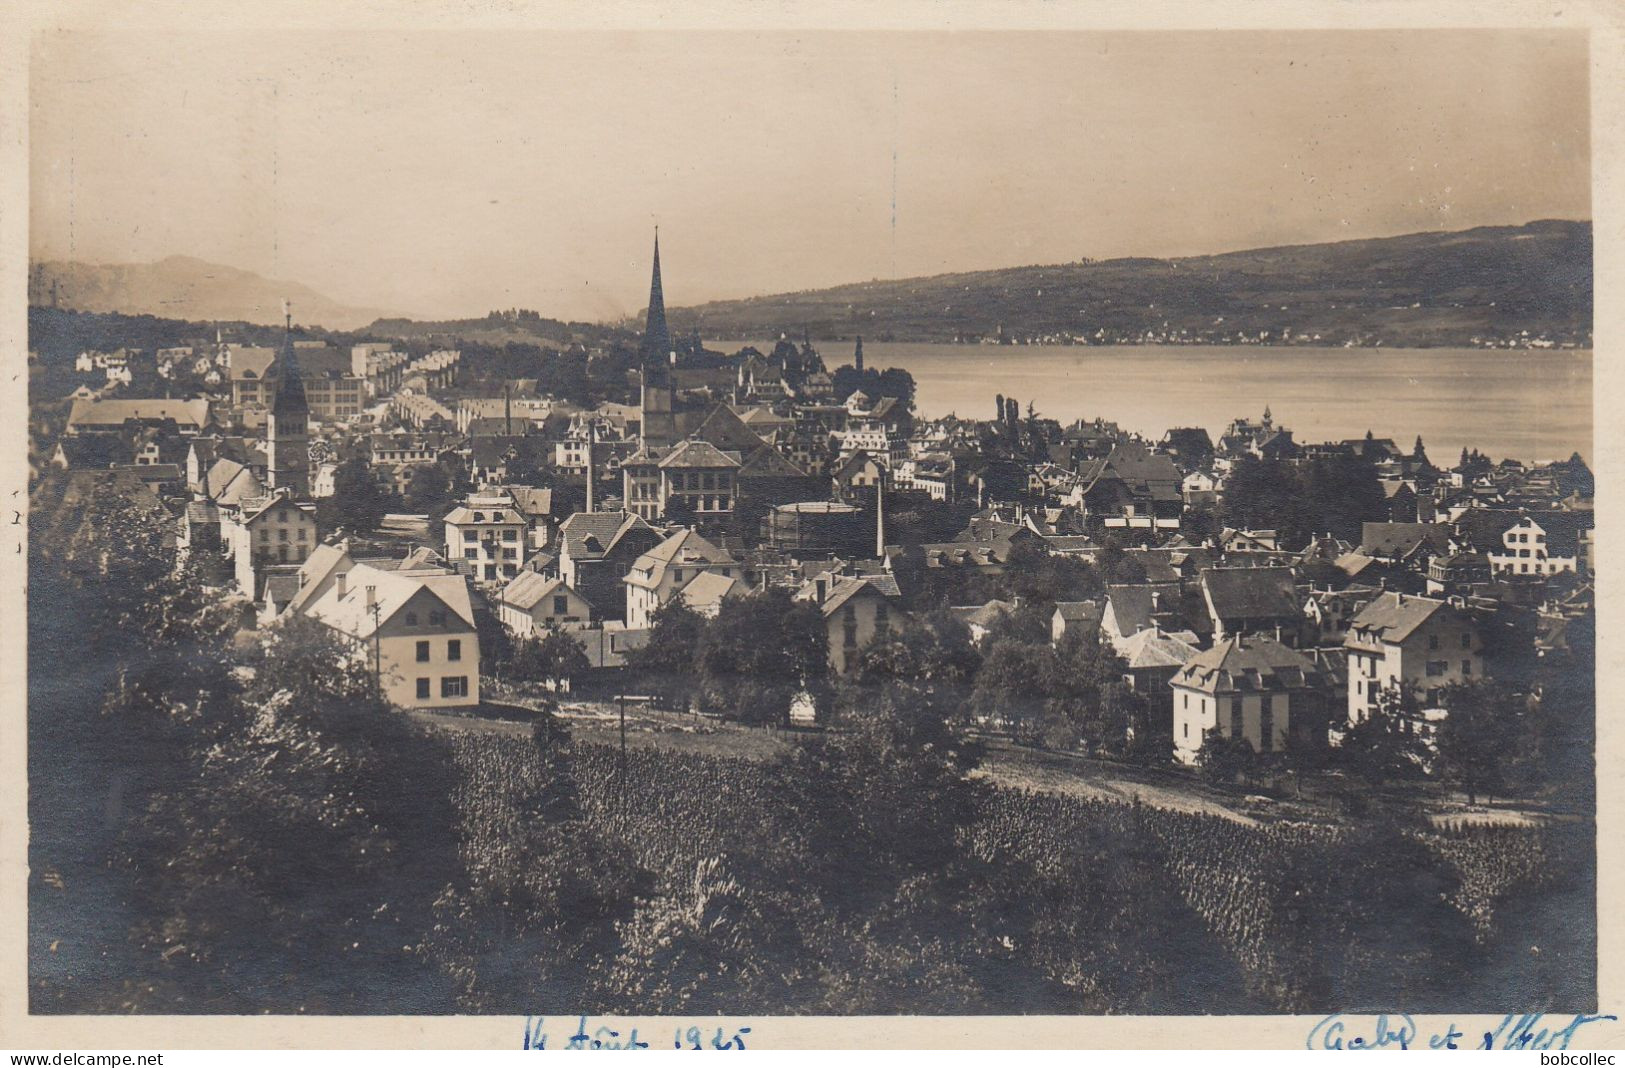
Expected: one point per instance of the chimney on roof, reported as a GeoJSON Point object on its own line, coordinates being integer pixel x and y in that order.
{"type": "Point", "coordinates": [343, 583]}
{"type": "Point", "coordinates": [372, 596]}
{"type": "Point", "coordinates": [818, 591]}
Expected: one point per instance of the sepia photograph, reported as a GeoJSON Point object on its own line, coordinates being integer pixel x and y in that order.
{"type": "Point", "coordinates": [810, 522]}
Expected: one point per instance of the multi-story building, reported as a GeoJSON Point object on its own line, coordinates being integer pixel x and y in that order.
{"type": "Point", "coordinates": [333, 390]}
{"type": "Point", "coordinates": [597, 549]}
{"type": "Point", "coordinates": [694, 477]}
{"type": "Point", "coordinates": [414, 628]}
{"type": "Point", "coordinates": [1400, 639]}
{"type": "Point", "coordinates": [1250, 688]}
{"type": "Point", "coordinates": [666, 570]}
{"type": "Point", "coordinates": [532, 603]}
{"type": "Point", "coordinates": [1545, 543]}
{"type": "Point", "coordinates": [264, 532]}
{"type": "Point", "coordinates": [379, 365]}
{"type": "Point", "coordinates": [488, 536]}
{"type": "Point", "coordinates": [856, 611]}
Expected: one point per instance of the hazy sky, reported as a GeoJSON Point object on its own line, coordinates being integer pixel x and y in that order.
{"type": "Point", "coordinates": [440, 173]}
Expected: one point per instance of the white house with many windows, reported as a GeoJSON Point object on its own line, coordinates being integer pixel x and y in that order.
{"type": "Point", "coordinates": [262, 532]}
{"type": "Point", "coordinates": [1400, 639]}
{"type": "Point", "coordinates": [666, 570]}
{"type": "Point", "coordinates": [488, 536]}
{"type": "Point", "coordinates": [1538, 545]}
{"type": "Point", "coordinates": [415, 628]}
{"type": "Point", "coordinates": [1255, 689]}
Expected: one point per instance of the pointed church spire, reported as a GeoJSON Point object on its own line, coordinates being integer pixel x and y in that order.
{"type": "Point", "coordinates": [290, 391]}
{"type": "Point", "coordinates": [656, 336]}
{"type": "Point", "coordinates": [857, 355]}
{"type": "Point", "coordinates": [287, 429]}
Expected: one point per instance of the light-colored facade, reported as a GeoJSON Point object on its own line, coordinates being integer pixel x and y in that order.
{"type": "Point", "coordinates": [1401, 639]}
{"type": "Point", "coordinates": [532, 603]}
{"type": "Point", "coordinates": [489, 536]}
{"type": "Point", "coordinates": [1528, 548]}
{"type": "Point", "coordinates": [1255, 689]}
{"type": "Point", "coordinates": [694, 476]}
{"type": "Point", "coordinates": [267, 531]}
{"type": "Point", "coordinates": [855, 614]}
{"type": "Point", "coordinates": [414, 628]}
{"type": "Point", "coordinates": [666, 570]}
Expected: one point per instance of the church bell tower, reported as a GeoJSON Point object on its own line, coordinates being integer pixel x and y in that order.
{"type": "Point", "coordinates": [657, 359]}
{"type": "Point", "coordinates": [287, 429]}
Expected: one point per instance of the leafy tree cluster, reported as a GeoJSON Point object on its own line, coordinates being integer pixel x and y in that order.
{"type": "Point", "coordinates": [892, 382]}
{"type": "Point", "coordinates": [572, 374]}
{"type": "Point", "coordinates": [749, 662]}
{"type": "Point", "coordinates": [1068, 696]}
{"type": "Point", "coordinates": [359, 502]}
{"type": "Point", "coordinates": [1299, 501]}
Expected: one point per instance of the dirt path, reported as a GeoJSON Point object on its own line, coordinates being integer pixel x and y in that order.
{"type": "Point", "coordinates": [1006, 765]}
{"type": "Point", "coordinates": [1076, 776]}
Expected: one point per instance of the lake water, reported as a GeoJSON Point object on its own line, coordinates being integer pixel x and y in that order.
{"type": "Point", "coordinates": [1528, 404]}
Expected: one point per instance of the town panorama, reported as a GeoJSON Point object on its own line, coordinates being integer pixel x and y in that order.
{"type": "Point", "coordinates": [628, 672]}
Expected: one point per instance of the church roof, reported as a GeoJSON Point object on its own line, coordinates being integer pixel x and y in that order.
{"type": "Point", "coordinates": [290, 390]}
{"type": "Point", "coordinates": [656, 335]}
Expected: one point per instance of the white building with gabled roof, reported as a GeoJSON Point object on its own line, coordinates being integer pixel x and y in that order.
{"type": "Point", "coordinates": [666, 570]}
{"type": "Point", "coordinates": [414, 627]}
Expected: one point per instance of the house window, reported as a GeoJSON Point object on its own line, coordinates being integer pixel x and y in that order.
{"type": "Point", "coordinates": [1235, 717]}
{"type": "Point", "coordinates": [437, 618]}
{"type": "Point", "coordinates": [469, 534]}
{"type": "Point", "coordinates": [423, 689]}
{"type": "Point", "coordinates": [454, 686]}
{"type": "Point", "coordinates": [265, 534]}
{"type": "Point", "coordinates": [471, 554]}
{"type": "Point", "coordinates": [1266, 723]}
{"type": "Point", "coordinates": [454, 649]}
{"type": "Point", "coordinates": [561, 604]}
{"type": "Point", "coordinates": [282, 515]}
{"type": "Point", "coordinates": [1466, 641]}
{"type": "Point", "coordinates": [490, 571]}
{"type": "Point", "coordinates": [510, 554]}
{"type": "Point", "coordinates": [1466, 667]}
{"type": "Point", "coordinates": [423, 652]}
{"type": "Point", "coordinates": [677, 574]}
{"type": "Point", "coordinates": [1435, 668]}
{"type": "Point", "coordinates": [411, 619]}
{"type": "Point", "coordinates": [510, 535]}
{"type": "Point", "coordinates": [1433, 641]}
{"type": "Point", "coordinates": [303, 532]}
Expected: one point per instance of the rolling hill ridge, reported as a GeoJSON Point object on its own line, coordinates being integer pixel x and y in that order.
{"type": "Point", "coordinates": [1490, 285]}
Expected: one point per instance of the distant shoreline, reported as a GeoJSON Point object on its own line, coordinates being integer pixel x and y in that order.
{"type": "Point", "coordinates": [1293, 346]}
